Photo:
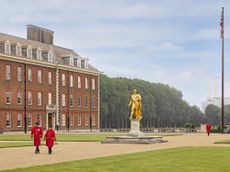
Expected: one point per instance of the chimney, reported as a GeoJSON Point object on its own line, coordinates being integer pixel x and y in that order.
{"type": "Point", "coordinates": [39, 34]}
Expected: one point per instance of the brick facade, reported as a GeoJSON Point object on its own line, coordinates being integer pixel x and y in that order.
{"type": "Point", "coordinates": [26, 94]}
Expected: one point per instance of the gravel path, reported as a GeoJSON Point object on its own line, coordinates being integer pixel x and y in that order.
{"type": "Point", "coordinates": [67, 151]}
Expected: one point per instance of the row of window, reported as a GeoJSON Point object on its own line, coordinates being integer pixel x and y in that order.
{"type": "Point", "coordinates": [39, 77]}
{"type": "Point", "coordinates": [39, 99]}
{"type": "Point", "coordinates": [38, 118]}
{"type": "Point", "coordinates": [19, 75]}
{"type": "Point", "coordinates": [29, 52]}
{"type": "Point", "coordinates": [40, 55]}
{"type": "Point", "coordinates": [80, 118]}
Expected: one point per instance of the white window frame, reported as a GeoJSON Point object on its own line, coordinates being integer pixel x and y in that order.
{"type": "Point", "coordinates": [19, 73]}
{"type": "Point", "coordinates": [49, 98]}
{"type": "Point", "coordinates": [39, 53]}
{"type": "Point", "coordinates": [8, 97]}
{"type": "Point", "coordinates": [63, 79]}
{"type": "Point", "coordinates": [50, 78]}
{"type": "Point", "coordinates": [30, 98]}
{"type": "Point", "coordinates": [19, 97]}
{"type": "Point", "coordinates": [63, 102]}
{"type": "Point", "coordinates": [93, 119]}
{"type": "Point", "coordinates": [86, 102]}
{"type": "Point", "coordinates": [8, 120]}
{"type": "Point", "coordinates": [39, 116]}
{"type": "Point", "coordinates": [86, 120]}
{"type": "Point", "coordinates": [78, 82]}
{"type": "Point", "coordinates": [50, 57]}
{"type": "Point", "coordinates": [93, 102]}
{"type": "Point", "coordinates": [29, 74]}
{"type": "Point", "coordinates": [19, 121]}
{"type": "Point", "coordinates": [79, 101]}
{"type": "Point", "coordinates": [71, 120]}
{"type": "Point", "coordinates": [7, 47]}
{"type": "Point", "coordinates": [39, 76]}
{"type": "Point", "coordinates": [8, 72]}
{"type": "Point", "coordinates": [79, 120]}
{"type": "Point", "coordinates": [29, 52]}
{"type": "Point", "coordinates": [63, 121]}
{"type": "Point", "coordinates": [93, 84]}
{"type": "Point", "coordinates": [39, 98]}
{"type": "Point", "coordinates": [71, 80]}
{"type": "Point", "coordinates": [86, 83]}
{"type": "Point", "coordinates": [71, 101]}
{"type": "Point", "coordinates": [71, 61]}
{"type": "Point", "coordinates": [18, 50]}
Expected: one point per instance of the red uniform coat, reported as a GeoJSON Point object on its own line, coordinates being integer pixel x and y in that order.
{"type": "Point", "coordinates": [37, 133]}
{"type": "Point", "coordinates": [50, 137]}
{"type": "Point", "coordinates": [208, 128]}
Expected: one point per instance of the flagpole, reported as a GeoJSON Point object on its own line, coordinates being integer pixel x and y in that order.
{"type": "Point", "coordinates": [222, 92]}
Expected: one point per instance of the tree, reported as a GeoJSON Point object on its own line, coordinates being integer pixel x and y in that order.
{"type": "Point", "coordinates": [163, 105]}
{"type": "Point", "coordinates": [212, 114]}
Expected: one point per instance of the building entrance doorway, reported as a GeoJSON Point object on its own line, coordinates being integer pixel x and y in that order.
{"type": "Point", "coordinates": [50, 119]}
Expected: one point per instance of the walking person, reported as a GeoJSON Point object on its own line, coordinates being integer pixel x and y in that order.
{"type": "Point", "coordinates": [208, 128]}
{"type": "Point", "coordinates": [50, 138]}
{"type": "Point", "coordinates": [36, 133]}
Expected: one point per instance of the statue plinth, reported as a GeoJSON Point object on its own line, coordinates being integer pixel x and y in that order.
{"type": "Point", "coordinates": [135, 128]}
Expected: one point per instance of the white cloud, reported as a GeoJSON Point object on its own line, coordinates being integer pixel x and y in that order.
{"type": "Point", "coordinates": [131, 38]}
{"type": "Point", "coordinates": [163, 47]}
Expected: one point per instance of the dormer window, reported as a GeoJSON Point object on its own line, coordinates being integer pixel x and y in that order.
{"type": "Point", "coordinates": [18, 50]}
{"type": "Point", "coordinates": [50, 57]}
{"type": "Point", "coordinates": [82, 63]}
{"type": "Point", "coordinates": [86, 63]}
{"type": "Point", "coordinates": [29, 52]}
{"type": "Point", "coordinates": [71, 61]}
{"type": "Point", "coordinates": [39, 54]}
{"type": "Point", "coordinates": [7, 47]}
{"type": "Point", "coordinates": [78, 62]}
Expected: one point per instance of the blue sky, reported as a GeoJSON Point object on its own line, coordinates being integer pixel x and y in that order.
{"type": "Point", "coordinates": [175, 42]}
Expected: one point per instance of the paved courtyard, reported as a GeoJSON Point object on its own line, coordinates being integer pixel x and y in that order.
{"type": "Point", "coordinates": [68, 151]}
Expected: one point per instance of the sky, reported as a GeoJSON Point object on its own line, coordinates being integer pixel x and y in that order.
{"type": "Point", "coordinates": [175, 42]}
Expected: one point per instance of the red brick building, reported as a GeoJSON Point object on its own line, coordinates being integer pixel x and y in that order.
{"type": "Point", "coordinates": [42, 82]}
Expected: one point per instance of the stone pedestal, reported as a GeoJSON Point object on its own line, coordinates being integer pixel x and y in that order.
{"type": "Point", "coordinates": [135, 136]}
{"type": "Point", "coordinates": [135, 128]}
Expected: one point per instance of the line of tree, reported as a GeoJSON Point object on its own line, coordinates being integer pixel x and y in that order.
{"type": "Point", "coordinates": [163, 105]}
{"type": "Point", "coordinates": [213, 115]}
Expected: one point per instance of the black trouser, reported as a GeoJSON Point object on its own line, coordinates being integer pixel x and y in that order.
{"type": "Point", "coordinates": [50, 150]}
{"type": "Point", "coordinates": [37, 149]}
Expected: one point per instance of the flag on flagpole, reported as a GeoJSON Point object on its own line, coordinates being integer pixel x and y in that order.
{"type": "Point", "coordinates": [222, 23]}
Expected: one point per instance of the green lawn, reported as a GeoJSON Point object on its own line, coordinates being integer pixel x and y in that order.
{"type": "Point", "coordinates": [187, 159]}
{"type": "Point", "coordinates": [91, 137]}
{"type": "Point", "coordinates": [14, 144]}
{"type": "Point", "coordinates": [223, 142]}
{"type": "Point", "coordinates": [60, 137]}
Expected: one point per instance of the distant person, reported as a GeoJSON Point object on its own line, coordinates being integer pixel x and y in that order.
{"type": "Point", "coordinates": [50, 138]}
{"type": "Point", "coordinates": [36, 133]}
{"type": "Point", "coordinates": [208, 128]}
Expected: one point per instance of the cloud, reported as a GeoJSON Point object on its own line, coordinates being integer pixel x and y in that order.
{"type": "Point", "coordinates": [163, 47]}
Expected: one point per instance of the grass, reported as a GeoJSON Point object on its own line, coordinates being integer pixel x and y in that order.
{"type": "Point", "coordinates": [14, 144]}
{"type": "Point", "coordinates": [223, 142]}
{"type": "Point", "coordinates": [60, 137]}
{"type": "Point", "coordinates": [186, 159]}
{"type": "Point", "coordinates": [15, 138]}
{"type": "Point", "coordinates": [91, 137]}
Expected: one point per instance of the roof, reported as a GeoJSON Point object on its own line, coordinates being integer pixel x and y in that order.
{"type": "Point", "coordinates": [59, 52]}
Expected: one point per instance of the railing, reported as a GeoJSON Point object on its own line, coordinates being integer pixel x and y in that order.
{"type": "Point", "coordinates": [151, 130]}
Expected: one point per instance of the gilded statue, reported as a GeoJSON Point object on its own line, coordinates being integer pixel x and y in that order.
{"type": "Point", "coordinates": [136, 105]}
